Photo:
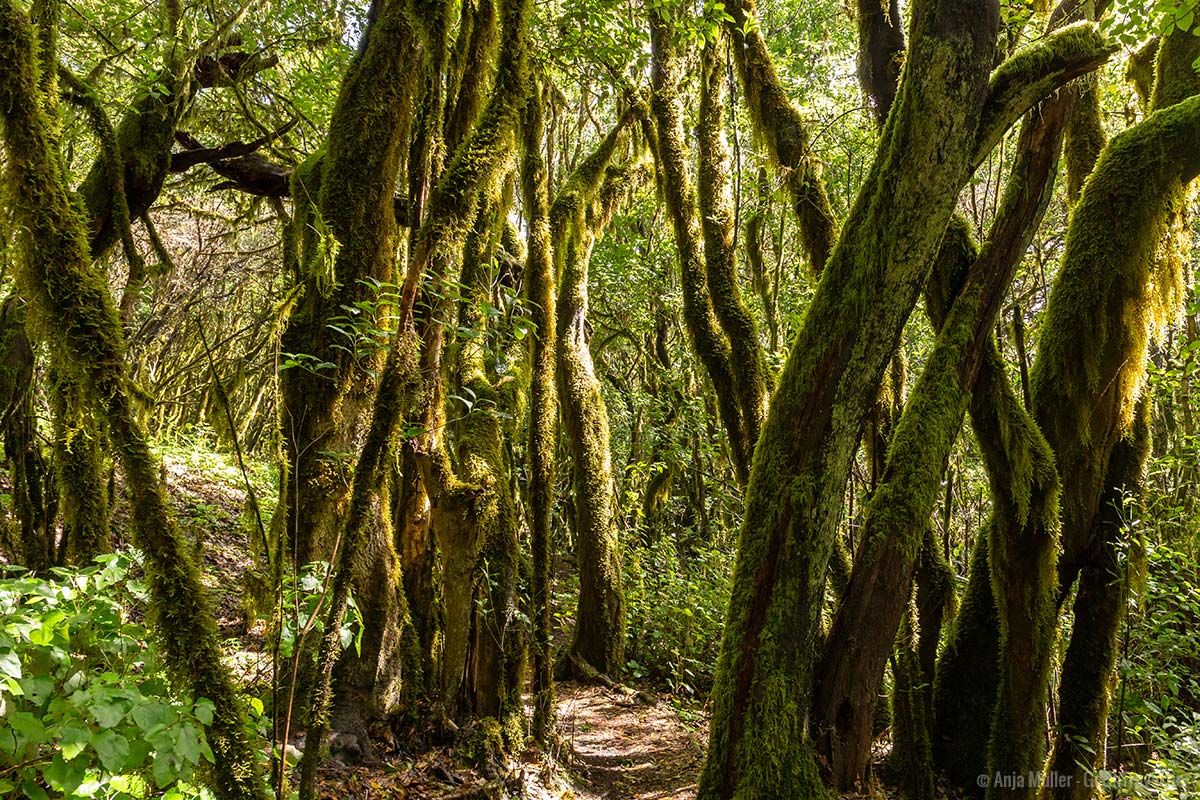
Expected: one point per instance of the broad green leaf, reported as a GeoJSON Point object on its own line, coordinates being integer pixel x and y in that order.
{"type": "Point", "coordinates": [112, 748]}
{"type": "Point", "coordinates": [107, 714]}
{"type": "Point", "coordinates": [10, 665]}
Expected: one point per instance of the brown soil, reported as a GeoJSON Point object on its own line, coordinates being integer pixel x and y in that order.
{"type": "Point", "coordinates": [628, 750]}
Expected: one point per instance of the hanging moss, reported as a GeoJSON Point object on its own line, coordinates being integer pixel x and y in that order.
{"type": "Point", "coordinates": [781, 127]}
{"type": "Point", "coordinates": [72, 308]}
{"type": "Point", "coordinates": [1136, 288]}
{"type": "Point", "coordinates": [1111, 295]}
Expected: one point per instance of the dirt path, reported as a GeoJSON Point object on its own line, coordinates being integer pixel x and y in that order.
{"type": "Point", "coordinates": [630, 750]}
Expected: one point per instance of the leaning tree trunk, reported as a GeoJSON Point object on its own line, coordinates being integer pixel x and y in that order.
{"type": "Point", "coordinates": [759, 745]}
{"type": "Point", "coordinates": [71, 304]}
{"type": "Point", "coordinates": [577, 217]}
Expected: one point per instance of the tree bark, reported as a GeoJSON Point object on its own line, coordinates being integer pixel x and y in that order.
{"type": "Point", "coordinates": [758, 745]}
{"type": "Point", "coordinates": [71, 304]}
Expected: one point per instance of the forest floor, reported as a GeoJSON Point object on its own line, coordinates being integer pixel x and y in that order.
{"type": "Point", "coordinates": [612, 744]}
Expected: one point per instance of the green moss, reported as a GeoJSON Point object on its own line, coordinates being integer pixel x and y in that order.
{"type": "Point", "coordinates": [543, 408]}
{"type": "Point", "coordinates": [1111, 295]}
{"type": "Point", "coordinates": [345, 249]}
{"type": "Point", "coordinates": [70, 304]}
{"type": "Point", "coordinates": [79, 469]}
{"type": "Point", "coordinates": [582, 208]}
{"type": "Point", "coordinates": [781, 127]}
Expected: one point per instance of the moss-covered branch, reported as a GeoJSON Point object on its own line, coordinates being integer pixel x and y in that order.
{"type": "Point", "coordinates": [964, 299]}
{"type": "Point", "coordinates": [785, 133]}
{"type": "Point", "coordinates": [475, 162]}
{"type": "Point", "coordinates": [71, 305]}
{"type": "Point", "coordinates": [1033, 73]}
{"type": "Point", "coordinates": [1121, 281]}
{"type": "Point", "coordinates": [344, 246]}
{"type": "Point", "coordinates": [81, 94]}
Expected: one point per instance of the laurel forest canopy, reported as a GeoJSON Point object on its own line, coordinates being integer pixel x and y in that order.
{"type": "Point", "coordinates": [386, 387]}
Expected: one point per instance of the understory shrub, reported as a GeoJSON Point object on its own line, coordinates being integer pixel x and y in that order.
{"type": "Point", "coordinates": [85, 707]}
{"type": "Point", "coordinates": [676, 606]}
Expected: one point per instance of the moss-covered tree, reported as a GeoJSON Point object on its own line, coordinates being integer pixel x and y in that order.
{"type": "Point", "coordinates": [71, 306]}
{"type": "Point", "coordinates": [580, 210]}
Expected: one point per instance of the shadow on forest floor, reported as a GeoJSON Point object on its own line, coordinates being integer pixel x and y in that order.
{"type": "Point", "coordinates": [626, 749]}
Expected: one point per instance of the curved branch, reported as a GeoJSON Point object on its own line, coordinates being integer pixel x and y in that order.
{"type": "Point", "coordinates": [1035, 72]}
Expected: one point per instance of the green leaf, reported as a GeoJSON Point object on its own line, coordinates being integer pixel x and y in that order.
{"type": "Point", "coordinates": [113, 748]}
{"type": "Point", "coordinates": [38, 688]}
{"type": "Point", "coordinates": [204, 711]}
{"type": "Point", "coordinates": [10, 665]}
{"type": "Point", "coordinates": [33, 791]}
{"type": "Point", "coordinates": [164, 771]}
{"type": "Point", "coordinates": [188, 744]}
{"type": "Point", "coordinates": [73, 739]}
{"type": "Point", "coordinates": [147, 715]}
{"type": "Point", "coordinates": [28, 726]}
{"type": "Point", "coordinates": [107, 714]}
{"type": "Point", "coordinates": [63, 776]}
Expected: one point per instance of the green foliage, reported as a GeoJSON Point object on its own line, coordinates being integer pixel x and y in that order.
{"type": "Point", "coordinates": [1161, 678]}
{"type": "Point", "coordinates": [676, 610]}
{"type": "Point", "coordinates": [85, 706]}
{"type": "Point", "coordinates": [305, 600]}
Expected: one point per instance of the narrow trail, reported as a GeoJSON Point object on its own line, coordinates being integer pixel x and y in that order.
{"type": "Point", "coordinates": [630, 750]}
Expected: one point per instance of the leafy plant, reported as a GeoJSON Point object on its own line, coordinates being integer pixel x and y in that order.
{"type": "Point", "coordinates": [305, 597]}
{"type": "Point", "coordinates": [676, 612]}
{"type": "Point", "coordinates": [85, 707]}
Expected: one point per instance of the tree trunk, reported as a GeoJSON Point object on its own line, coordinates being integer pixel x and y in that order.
{"type": "Point", "coordinates": [72, 305]}
{"type": "Point", "coordinates": [543, 409]}
{"type": "Point", "coordinates": [576, 218]}
{"type": "Point", "coordinates": [759, 746]}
